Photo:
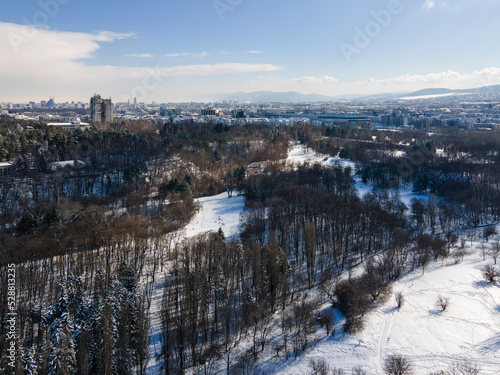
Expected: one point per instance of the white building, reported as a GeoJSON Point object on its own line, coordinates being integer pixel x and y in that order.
{"type": "Point", "coordinates": [7, 168]}
{"type": "Point", "coordinates": [70, 126]}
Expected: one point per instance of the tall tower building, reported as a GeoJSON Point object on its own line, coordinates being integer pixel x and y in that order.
{"type": "Point", "coordinates": [107, 110]}
{"type": "Point", "coordinates": [95, 108]}
{"type": "Point", "coordinates": [101, 110]}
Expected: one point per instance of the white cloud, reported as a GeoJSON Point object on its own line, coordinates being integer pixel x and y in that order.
{"type": "Point", "coordinates": [447, 79]}
{"type": "Point", "coordinates": [429, 4]}
{"type": "Point", "coordinates": [34, 66]}
{"type": "Point", "coordinates": [177, 54]}
{"type": "Point", "coordinates": [254, 52]}
{"type": "Point", "coordinates": [140, 55]}
{"type": "Point", "coordinates": [200, 70]}
{"type": "Point", "coordinates": [188, 54]}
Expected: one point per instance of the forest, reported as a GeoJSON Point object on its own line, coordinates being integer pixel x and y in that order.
{"type": "Point", "coordinates": [91, 243]}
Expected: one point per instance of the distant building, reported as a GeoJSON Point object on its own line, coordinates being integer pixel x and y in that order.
{"type": "Point", "coordinates": [70, 126]}
{"type": "Point", "coordinates": [7, 168]}
{"type": "Point", "coordinates": [239, 113]}
{"type": "Point", "coordinates": [101, 110]}
{"type": "Point", "coordinates": [209, 112]}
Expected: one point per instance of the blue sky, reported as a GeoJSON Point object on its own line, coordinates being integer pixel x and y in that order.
{"type": "Point", "coordinates": [170, 50]}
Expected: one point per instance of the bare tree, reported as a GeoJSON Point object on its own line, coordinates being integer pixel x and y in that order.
{"type": "Point", "coordinates": [319, 367]}
{"type": "Point", "coordinates": [358, 371]}
{"type": "Point", "coordinates": [327, 320]}
{"type": "Point", "coordinates": [464, 368]}
{"type": "Point", "coordinates": [495, 250]}
{"type": "Point", "coordinates": [488, 232]}
{"type": "Point", "coordinates": [397, 365]}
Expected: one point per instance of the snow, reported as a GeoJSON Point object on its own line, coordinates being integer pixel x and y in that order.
{"type": "Point", "coordinates": [434, 96]}
{"type": "Point", "coordinates": [216, 212]}
{"type": "Point", "coordinates": [431, 339]}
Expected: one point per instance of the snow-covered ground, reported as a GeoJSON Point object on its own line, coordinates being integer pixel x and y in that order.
{"type": "Point", "coordinates": [217, 212]}
{"type": "Point", "coordinates": [434, 96]}
{"type": "Point", "coordinates": [432, 340]}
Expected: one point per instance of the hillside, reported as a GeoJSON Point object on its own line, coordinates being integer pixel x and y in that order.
{"type": "Point", "coordinates": [469, 329]}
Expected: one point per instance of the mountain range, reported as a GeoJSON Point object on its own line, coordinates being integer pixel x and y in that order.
{"type": "Point", "coordinates": [295, 97]}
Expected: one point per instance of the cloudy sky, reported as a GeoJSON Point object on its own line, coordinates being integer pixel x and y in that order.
{"type": "Point", "coordinates": [171, 50]}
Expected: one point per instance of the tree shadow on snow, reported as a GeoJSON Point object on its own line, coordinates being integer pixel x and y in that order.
{"type": "Point", "coordinates": [390, 310]}
{"type": "Point", "coordinates": [492, 345]}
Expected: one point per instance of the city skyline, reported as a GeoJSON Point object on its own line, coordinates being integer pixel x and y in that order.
{"type": "Point", "coordinates": [164, 52]}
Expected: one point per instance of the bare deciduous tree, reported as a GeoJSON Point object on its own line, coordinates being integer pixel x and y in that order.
{"type": "Point", "coordinates": [319, 367]}
{"type": "Point", "coordinates": [397, 365]}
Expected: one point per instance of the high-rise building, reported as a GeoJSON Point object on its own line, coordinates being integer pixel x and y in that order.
{"type": "Point", "coordinates": [95, 108]}
{"type": "Point", "coordinates": [101, 110]}
{"type": "Point", "coordinates": [107, 110]}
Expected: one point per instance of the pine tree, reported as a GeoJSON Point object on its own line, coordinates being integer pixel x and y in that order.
{"type": "Point", "coordinates": [63, 355]}
{"type": "Point", "coordinates": [420, 184]}
{"type": "Point", "coordinates": [30, 361]}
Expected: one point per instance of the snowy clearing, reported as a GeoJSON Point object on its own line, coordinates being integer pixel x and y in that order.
{"type": "Point", "coordinates": [217, 212]}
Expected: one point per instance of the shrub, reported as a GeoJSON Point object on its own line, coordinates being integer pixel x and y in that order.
{"type": "Point", "coordinates": [442, 302]}
{"type": "Point", "coordinates": [326, 320]}
{"type": "Point", "coordinates": [491, 274]}
{"type": "Point", "coordinates": [354, 303]}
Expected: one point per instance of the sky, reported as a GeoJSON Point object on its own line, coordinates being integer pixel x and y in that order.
{"type": "Point", "coordinates": [173, 51]}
